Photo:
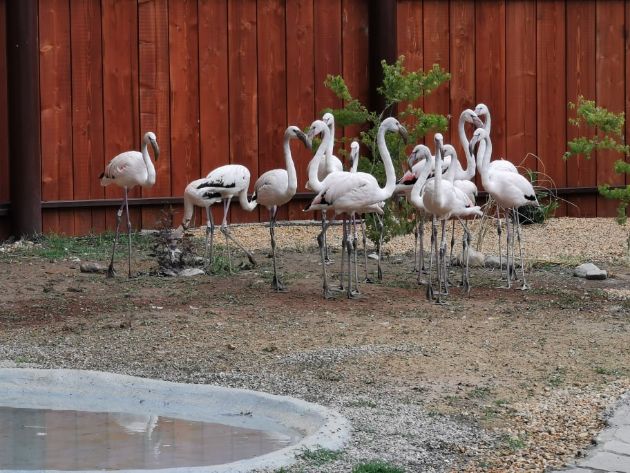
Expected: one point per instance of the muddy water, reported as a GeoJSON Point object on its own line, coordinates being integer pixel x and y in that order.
{"type": "Point", "coordinates": [75, 440]}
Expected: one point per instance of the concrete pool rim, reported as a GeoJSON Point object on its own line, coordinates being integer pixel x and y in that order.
{"type": "Point", "coordinates": [97, 391]}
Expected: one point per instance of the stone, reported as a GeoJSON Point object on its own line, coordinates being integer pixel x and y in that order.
{"type": "Point", "coordinates": [189, 272]}
{"type": "Point", "coordinates": [373, 256]}
{"type": "Point", "coordinates": [598, 275]}
{"type": "Point", "coordinates": [92, 267]}
{"type": "Point", "coordinates": [493, 262]}
{"type": "Point", "coordinates": [582, 270]}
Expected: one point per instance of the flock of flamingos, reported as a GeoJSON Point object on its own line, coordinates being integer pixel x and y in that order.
{"type": "Point", "coordinates": [436, 184]}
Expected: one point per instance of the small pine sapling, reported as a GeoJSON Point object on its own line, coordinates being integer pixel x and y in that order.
{"type": "Point", "coordinates": [610, 126]}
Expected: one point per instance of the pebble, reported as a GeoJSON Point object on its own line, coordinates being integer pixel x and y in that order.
{"type": "Point", "coordinates": [590, 271]}
{"type": "Point", "coordinates": [189, 272]}
{"type": "Point", "coordinates": [92, 267]}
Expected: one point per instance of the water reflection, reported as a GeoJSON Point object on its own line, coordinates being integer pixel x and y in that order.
{"type": "Point", "coordinates": [74, 440]}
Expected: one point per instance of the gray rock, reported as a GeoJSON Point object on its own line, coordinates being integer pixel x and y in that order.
{"type": "Point", "coordinates": [475, 258]}
{"type": "Point", "coordinates": [493, 262]}
{"type": "Point", "coordinates": [373, 256]}
{"type": "Point", "coordinates": [188, 272]}
{"type": "Point", "coordinates": [598, 275]}
{"type": "Point", "coordinates": [582, 269]}
{"type": "Point", "coordinates": [92, 267]}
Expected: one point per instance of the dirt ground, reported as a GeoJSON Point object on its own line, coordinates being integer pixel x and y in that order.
{"type": "Point", "coordinates": [526, 375]}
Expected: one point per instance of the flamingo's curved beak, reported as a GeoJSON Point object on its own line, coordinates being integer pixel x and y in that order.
{"type": "Point", "coordinates": [477, 122]}
{"type": "Point", "coordinates": [305, 139]}
{"type": "Point", "coordinates": [156, 149]}
{"type": "Point", "coordinates": [403, 134]}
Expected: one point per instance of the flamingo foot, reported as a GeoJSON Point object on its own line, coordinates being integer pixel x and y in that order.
{"type": "Point", "coordinates": [466, 287]}
{"type": "Point", "coordinates": [354, 294]}
{"type": "Point", "coordinates": [328, 294]}
{"type": "Point", "coordinates": [525, 287]}
{"type": "Point", "coordinates": [278, 285]}
{"type": "Point", "coordinates": [429, 293]}
{"type": "Point", "coordinates": [110, 271]}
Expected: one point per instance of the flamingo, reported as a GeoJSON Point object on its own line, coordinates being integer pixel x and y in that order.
{"type": "Point", "coordinates": [330, 163]}
{"type": "Point", "coordinates": [345, 192]}
{"type": "Point", "coordinates": [220, 185]}
{"type": "Point", "coordinates": [509, 190]}
{"type": "Point", "coordinates": [127, 170]}
{"type": "Point", "coordinates": [443, 200]}
{"type": "Point", "coordinates": [277, 187]}
{"type": "Point", "coordinates": [498, 164]}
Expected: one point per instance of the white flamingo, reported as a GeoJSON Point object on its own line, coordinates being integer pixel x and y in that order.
{"type": "Point", "coordinates": [127, 170]}
{"type": "Point", "coordinates": [345, 192]}
{"type": "Point", "coordinates": [277, 187]}
{"type": "Point", "coordinates": [222, 184]}
{"type": "Point", "coordinates": [501, 164]}
{"type": "Point", "coordinates": [330, 163]}
{"type": "Point", "coordinates": [509, 190]}
{"type": "Point", "coordinates": [443, 200]}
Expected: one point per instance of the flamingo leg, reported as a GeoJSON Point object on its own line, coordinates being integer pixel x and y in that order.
{"type": "Point", "coordinates": [520, 250]}
{"type": "Point", "coordinates": [367, 277]}
{"type": "Point", "coordinates": [349, 251]}
{"type": "Point", "coordinates": [327, 259]}
{"type": "Point", "coordinates": [416, 230]}
{"type": "Point", "coordinates": [442, 259]}
{"type": "Point", "coordinates": [210, 235]}
{"type": "Point", "coordinates": [277, 285]}
{"type": "Point", "coordinates": [513, 212]}
{"type": "Point", "coordinates": [508, 265]}
{"type": "Point", "coordinates": [429, 293]}
{"type": "Point", "coordinates": [421, 237]}
{"type": "Point", "coordinates": [228, 236]}
{"type": "Point", "coordinates": [465, 256]}
{"type": "Point", "coordinates": [128, 234]}
{"type": "Point", "coordinates": [110, 269]}
{"type": "Point", "coordinates": [499, 233]}
{"type": "Point", "coordinates": [344, 239]}
{"type": "Point", "coordinates": [379, 274]}
{"type": "Point", "coordinates": [450, 258]}
{"type": "Point", "coordinates": [224, 224]}
{"type": "Point", "coordinates": [322, 253]}
{"type": "Point", "coordinates": [355, 240]}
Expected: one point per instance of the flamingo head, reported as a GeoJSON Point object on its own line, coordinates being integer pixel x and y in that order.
{"type": "Point", "coordinates": [316, 128]}
{"type": "Point", "coordinates": [482, 110]}
{"type": "Point", "coordinates": [149, 138]}
{"type": "Point", "coordinates": [391, 124]}
{"type": "Point", "coordinates": [471, 117]}
{"type": "Point", "coordinates": [419, 152]}
{"type": "Point", "coordinates": [329, 119]}
{"type": "Point", "coordinates": [295, 132]}
{"type": "Point", "coordinates": [449, 150]}
{"type": "Point", "coordinates": [479, 135]}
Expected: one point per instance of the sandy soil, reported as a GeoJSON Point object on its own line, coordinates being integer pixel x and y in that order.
{"type": "Point", "coordinates": [500, 380]}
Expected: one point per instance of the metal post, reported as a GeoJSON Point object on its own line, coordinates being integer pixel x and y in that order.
{"type": "Point", "coordinates": [382, 38]}
{"type": "Point", "coordinates": [24, 114]}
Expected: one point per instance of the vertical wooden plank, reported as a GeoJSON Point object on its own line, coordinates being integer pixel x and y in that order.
{"type": "Point", "coordinates": [355, 55]}
{"type": "Point", "coordinates": [121, 122]}
{"type": "Point", "coordinates": [627, 5]}
{"type": "Point", "coordinates": [436, 51]}
{"type": "Point", "coordinates": [213, 88]}
{"type": "Point", "coordinates": [154, 96]}
{"type": "Point", "coordinates": [328, 52]}
{"type": "Point", "coordinates": [581, 48]}
{"type": "Point", "coordinates": [300, 86]}
{"type": "Point", "coordinates": [409, 31]}
{"type": "Point", "coordinates": [4, 119]}
{"type": "Point", "coordinates": [490, 67]}
{"type": "Point", "coordinates": [272, 90]}
{"type": "Point", "coordinates": [551, 92]}
{"type": "Point", "coordinates": [610, 88]}
{"type": "Point", "coordinates": [462, 66]}
{"type": "Point", "coordinates": [56, 111]}
{"type": "Point", "coordinates": [87, 112]}
{"type": "Point", "coordinates": [184, 73]}
{"type": "Point", "coordinates": [520, 93]}
{"type": "Point", "coordinates": [243, 93]}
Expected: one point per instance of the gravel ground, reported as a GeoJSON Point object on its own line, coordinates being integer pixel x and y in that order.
{"type": "Point", "coordinates": [499, 381]}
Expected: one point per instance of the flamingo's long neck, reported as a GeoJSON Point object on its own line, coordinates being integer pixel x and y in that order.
{"type": "Point", "coordinates": [390, 172]}
{"type": "Point", "coordinates": [330, 149]}
{"type": "Point", "coordinates": [291, 173]}
{"type": "Point", "coordinates": [313, 179]}
{"type": "Point", "coordinates": [414, 196]}
{"type": "Point", "coordinates": [453, 167]}
{"type": "Point", "coordinates": [438, 171]}
{"type": "Point", "coordinates": [188, 211]}
{"type": "Point", "coordinates": [149, 164]}
{"type": "Point", "coordinates": [469, 173]}
{"type": "Point", "coordinates": [482, 151]}
{"type": "Point", "coordinates": [488, 124]}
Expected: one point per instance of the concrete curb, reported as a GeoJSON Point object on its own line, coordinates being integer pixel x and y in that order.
{"type": "Point", "coordinates": [96, 391]}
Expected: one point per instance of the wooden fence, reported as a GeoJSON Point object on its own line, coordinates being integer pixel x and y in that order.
{"type": "Point", "coordinates": [218, 81]}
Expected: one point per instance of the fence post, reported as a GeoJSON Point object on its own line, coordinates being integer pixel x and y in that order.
{"type": "Point", "coordinates": [382, 45]}
{"type": "Point", "coordinates": [24, 117]}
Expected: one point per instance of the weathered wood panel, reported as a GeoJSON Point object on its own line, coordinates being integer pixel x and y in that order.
{"type": "Point", "coordinates": [243, 93]}
{"type": "Point", "coordinates": [551, 92]}
{"type": "Point", "coordinates": [121, 119]}
{"type": "Point", "coordinates": [520, 93]}
{"type": "Point", "coordinates": [56, 111]}
{"type": "Point", "coordinates": [610, 84]}
{"type": "Point", "coordinates": [87, 112]}
{"type": "Point", "coordinates": [581, 46]}
{"type": "Point", "coordinates": [4, 125]}
{"type": "Point", "coordinates": [153, 34]}
{"type": "Point", "coordinates": [300, 86]}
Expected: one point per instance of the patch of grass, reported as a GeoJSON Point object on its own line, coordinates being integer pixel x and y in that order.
{"type": "Point", "coordinates": [513, 443]}
{"type": "Point", "coordinates": [320, 456]}
{"type": "Point", "coordinates": [479, 393]}
{"type": "Point", "coordinates": [616, 372]}
{"type": "Point", "coordinates": [558, 377]}
{"type": "Point", "coordinates": [377, 467]}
